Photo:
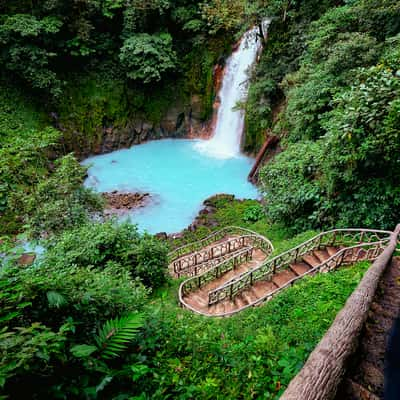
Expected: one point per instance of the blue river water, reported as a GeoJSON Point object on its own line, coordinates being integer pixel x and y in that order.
{"type": "Point", "coordinates": [177, 175]}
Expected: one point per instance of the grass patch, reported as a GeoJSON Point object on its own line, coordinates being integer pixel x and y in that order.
{"type": "Point", "coordinates": [252, 355]}
{"type": "Point", "coordinates": [234, 212]}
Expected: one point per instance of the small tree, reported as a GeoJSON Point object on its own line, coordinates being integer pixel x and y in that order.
{"type": "Point", "coordinates": [148, 57]}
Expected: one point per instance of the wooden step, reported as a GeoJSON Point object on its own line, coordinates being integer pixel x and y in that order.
{"type": "Point", "coordinates": [230, 306]}
{"type": "Point", "coordinates": [240, 301]}
{"type": "Point", "coordinates": [322, 255]}
{"type": "Point", "coordinates": [262, 288]}
{"type": "Point", "coordinates": [249, 295]}
{"type": "Point", "coordinates": [311, 260]}
{"type": "Point", "coordinates": [220, 308]}
{"type": "Point", "coordinates": [300, 268]}
{"type": "Point", "coordinates": [293, 270]}
{"type": "Point", "coordinates": [332, 250]}
{"type": "Point", "coordinates": [197, 301]}
{"type": "Point", "coordinates": [281, 278]}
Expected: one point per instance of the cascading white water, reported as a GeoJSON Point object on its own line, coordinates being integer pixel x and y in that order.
{"type": "Point", "coordinates": [225, 142]}
{"type": "Point", "coordinates": [176, 175]}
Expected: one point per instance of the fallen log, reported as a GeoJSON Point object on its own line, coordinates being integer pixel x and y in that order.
{"type": "Point", "coordinates": [271, 141]}
{"type": "Point", "coordinates": [321, 374]}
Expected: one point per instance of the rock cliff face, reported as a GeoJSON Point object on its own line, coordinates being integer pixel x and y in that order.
{"type": "Point", "coordinates": [180, 121]}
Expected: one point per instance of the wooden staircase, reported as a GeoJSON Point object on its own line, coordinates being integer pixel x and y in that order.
{"type": "Point", "coordinates": [196, 258]}
{"type": "Point", "coordinates": [247, 277]}
{"type": "Point", "coordinates": [199, 299]}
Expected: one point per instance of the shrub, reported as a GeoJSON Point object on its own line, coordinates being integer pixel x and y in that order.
{"type": "Point", "coordinates": [253, 213]}
{"type": "Point", "coordinates": [111, 243]}
{"type": "Point", "coordinates": [59, 201]}
{"type": "Point", "coordinates": [148, 57]}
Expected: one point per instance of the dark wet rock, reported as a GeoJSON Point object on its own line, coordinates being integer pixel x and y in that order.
{"type": "Point", "coordinates": [179, 121]}
{"type": "Point", "coordinates": [161, 235]}
{"type": "Point", "coordinates": [26, 259]}
{"type": "Point", "coordinates": [116, 200]}
{"type": "Point", "coordinates": [178, 235]}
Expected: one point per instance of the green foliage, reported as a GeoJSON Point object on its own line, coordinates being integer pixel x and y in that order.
{"type": "Point", "coordinates": [231, 212]}
{"type": "Point", "coordinates": [43, 194]}
{"type": "Point", "coordinates": [223, 15]}
{"type": "Point", "coordinates": [113, 337]}
{"type": "Point", "coordinates": [115, 334]}
{"type": "Point", "coordinates": [349, 177]}
{"type": "Point", "coordinates": [310, 90]}
{"type": "Point", "coordinates": [81, 287]}
{"type": "Point", "coordinates": [253, 213]}
{"type": "Point", "coordinates": [50, 307]}
{"type": "Point", "coordinates": [151, 257]}
{"type": "Point", "coordinates": [111, 244]}
{"type": "Point", "coordinates": [286, 43]}
{"type": "Point", "coordinates": [19, 113]}
{"type": "Point", "coordinates": [83, 350]}
{"type": "Point", "coordinates": [128, 62]}
{"type": "Point", "coordinates": [55, 299]}
{"type": "Point", "coordinates": [141, 41]}
{"type": "Point", "coordinates": [253, 354]}
{"type": "Point", "coordinates": [340, 123]}
{"type": "Point", "coordinates": [58, 202]}
{"type": "Point", "coordinates": [23, 38]}
{"type": "Point", "coordinates": [148, 57]}
{"type": "Point", "coordinates": [24, 163]}
{"type": "Point", "coordinates": [89, 295]}
{"type": "Point", "coordinates": [291, 186]}
{"type": "Point", "coordinates": [33, 348]}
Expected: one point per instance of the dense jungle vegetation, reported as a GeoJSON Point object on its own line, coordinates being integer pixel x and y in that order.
{"type": "Point", "coordinates": [96, 316]}
{"type": "Point", "coordinates": [330, 87]}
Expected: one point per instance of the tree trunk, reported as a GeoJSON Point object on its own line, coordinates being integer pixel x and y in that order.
{"type": "Point", "coordinates": [261, 33]}
{"type": "Point", "coordinates": [325, 367]}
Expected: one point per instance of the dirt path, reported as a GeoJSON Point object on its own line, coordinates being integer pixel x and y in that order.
{"type": "Point", "coordinates": [364, 379]}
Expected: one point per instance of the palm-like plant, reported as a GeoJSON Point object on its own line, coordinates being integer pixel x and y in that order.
{"type": "Point", "coordinates": [115, 335]}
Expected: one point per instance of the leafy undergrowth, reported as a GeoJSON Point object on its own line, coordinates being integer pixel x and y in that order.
{"type": "Point", "coordinates": [248, 214]}
{"type": "Point", "coordinates": [251, 355]}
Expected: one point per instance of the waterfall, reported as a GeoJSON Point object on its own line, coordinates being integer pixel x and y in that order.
{"type": "Point", "coordinates": [225, 142]}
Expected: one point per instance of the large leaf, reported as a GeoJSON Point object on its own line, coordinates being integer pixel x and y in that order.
{"type": "Point", "coordinates": [83, 350]}
{"type": "Point", "coordinates": [115, 335]}
{"type": "Point", "coordinates": [56, 299]}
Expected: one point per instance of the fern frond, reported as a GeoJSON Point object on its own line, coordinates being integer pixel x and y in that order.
{"type": "Point", "coordinates": [56, 299]}
{"type": "Point", "coordinates": [115, 335]}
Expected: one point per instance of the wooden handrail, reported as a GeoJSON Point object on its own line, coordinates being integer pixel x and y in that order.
{"type": "Point", "coordinates": [320, 376]}
{"type": "Point", "coordinates": [214, 236]}
{"type": "Point", "coordinates": [278, 262]}
{"type": "Point", "coordinates": [378, 240]}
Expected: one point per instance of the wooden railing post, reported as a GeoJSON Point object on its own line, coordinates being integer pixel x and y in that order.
{"type": "Point", "coordinates": [334, 239]}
